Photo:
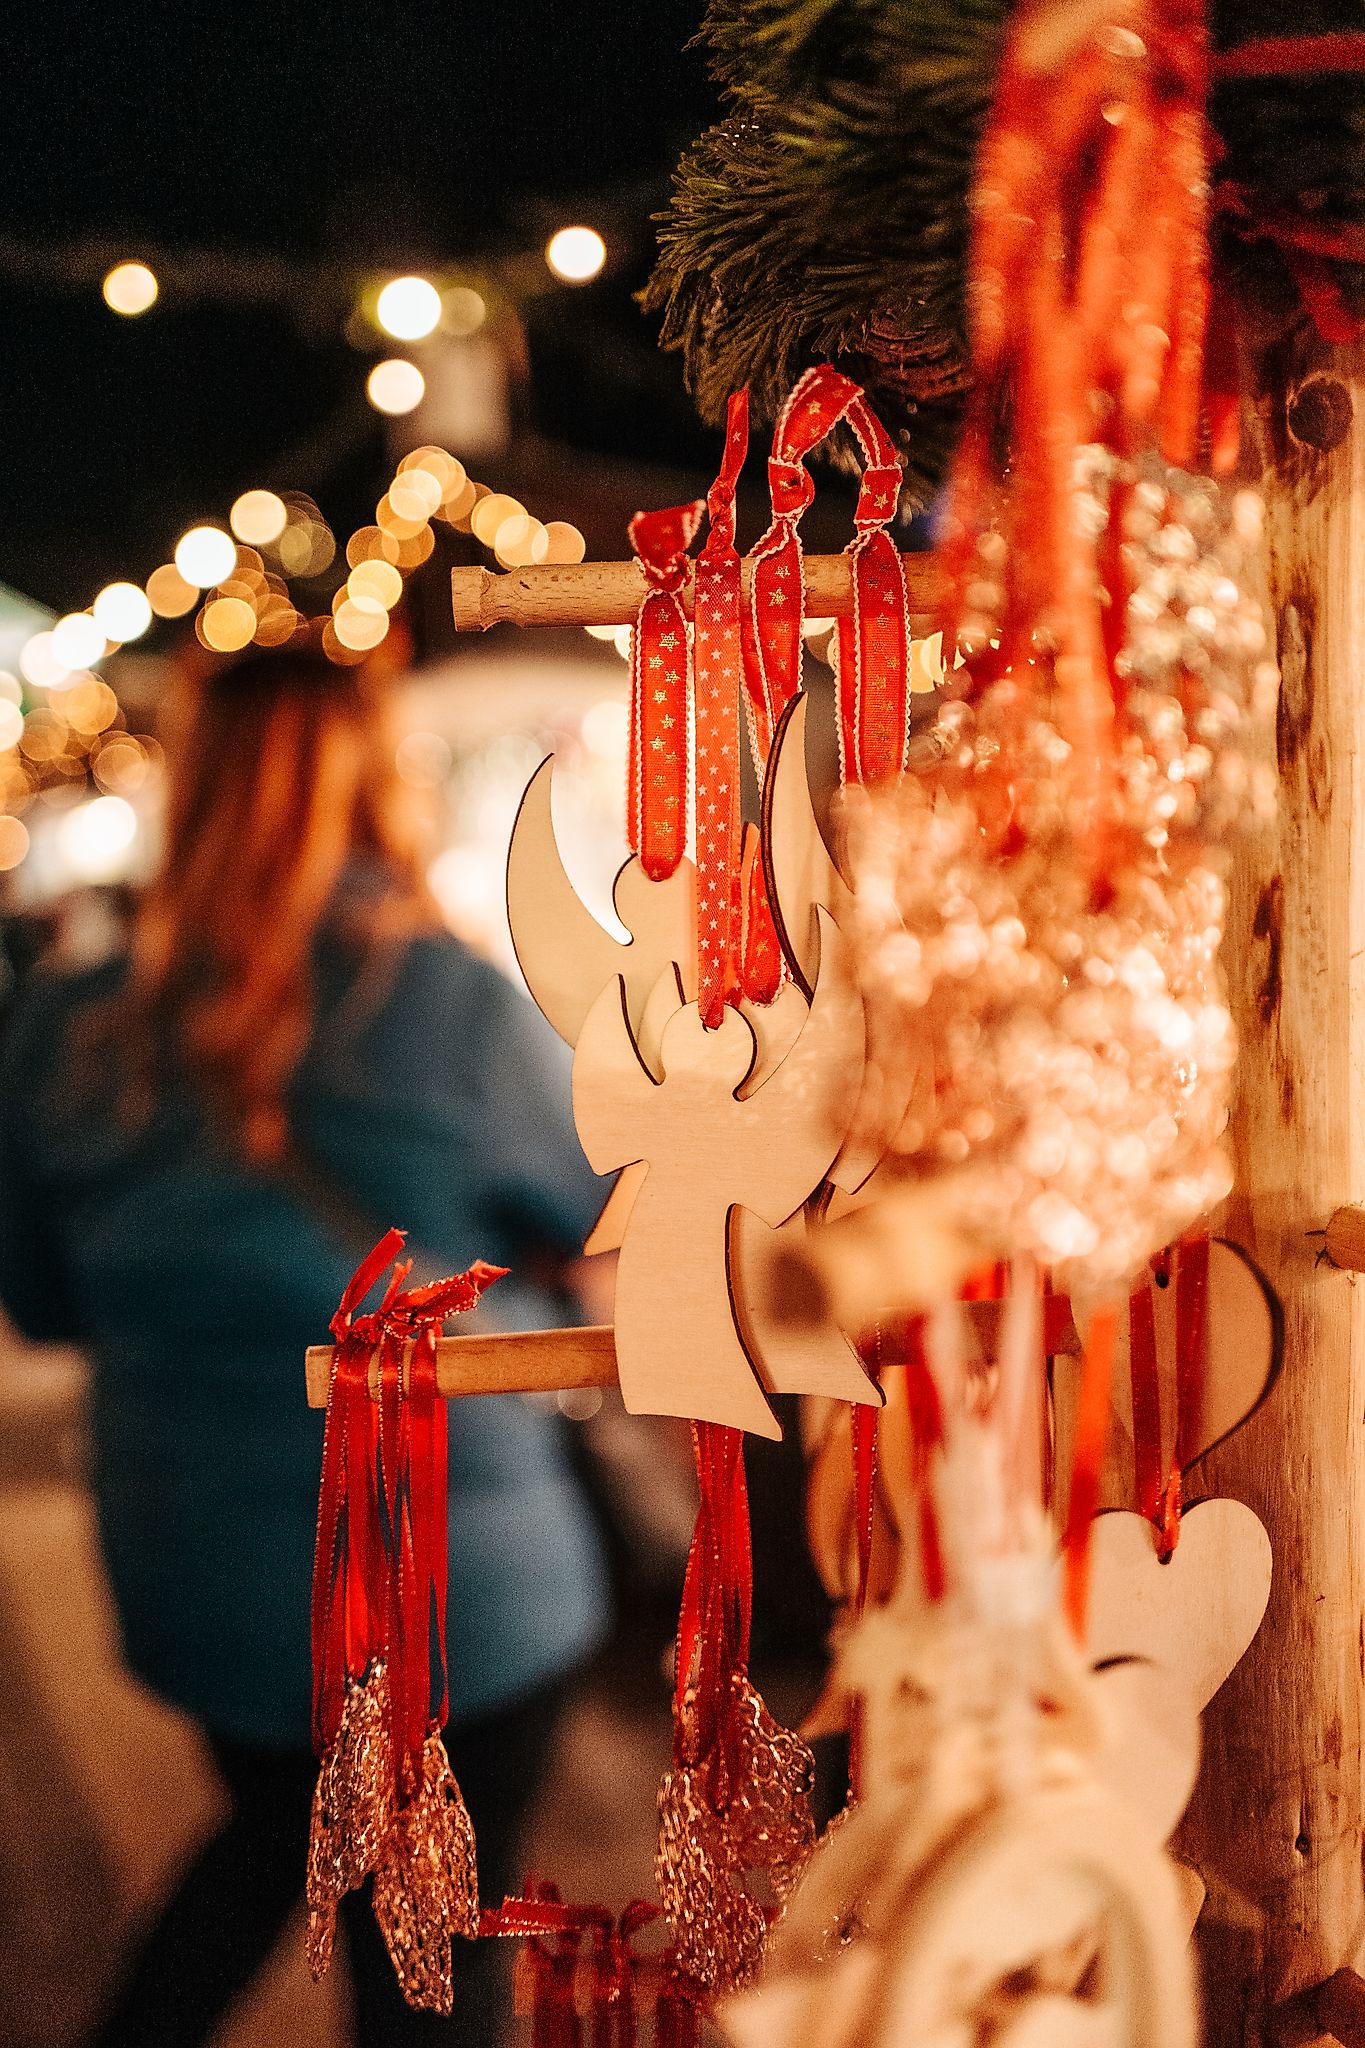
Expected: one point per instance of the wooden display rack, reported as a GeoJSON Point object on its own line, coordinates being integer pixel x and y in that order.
{"type": "Point", "coordinates": [1279, 1815]}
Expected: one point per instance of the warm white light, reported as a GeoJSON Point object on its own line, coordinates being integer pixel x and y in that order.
{"type": "Point", "coordinates": [409, 308]}
{"type": "Point", "coordinates": [465, 310]}
{"type": "Point", "coordinates": [258, 518]}
{"type": "Point", "coordinates": [11, 724]}
{"type": "Point", "coordinates": [39, 664]}
{"type": "Point", "coordinates": [13, 841]}
{"type": "Point", "coordinates": [395, 386]}
{"type": "Point", "coordinates": [122, 611]}
{"type": "Point", "coordinates": [130, 288]}
{"type": "Point", "coordinates": [95, 838]}
{"type": "Point", "coordinates": [77, 641]}
{"type": "Point", "coordinates": [205, 556]}
{"type": "Point", "coordinates": [576, 254]}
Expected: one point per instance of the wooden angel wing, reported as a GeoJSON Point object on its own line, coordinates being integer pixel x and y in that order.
{"type": "Point", "coordinates": [615, 1098]}
{"type": "Point", "coordinates": [801, 873]}
{"type": "Point", "coordinates": [566, 956]}
{"type": "Point", "coordinates": [793, 1126]}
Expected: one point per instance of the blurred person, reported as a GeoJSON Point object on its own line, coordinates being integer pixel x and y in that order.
{"type": "Point", "coordinates": [198, 1140]}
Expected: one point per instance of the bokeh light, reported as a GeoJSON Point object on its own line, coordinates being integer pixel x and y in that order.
{"type": "Point", "coordinates": [39, 663]}
{"type": "Point", "coordinates": [129, 288]}
{"type": "Point", "coordinates": [564, 543]}
{"type": "Point", "coordinates": [169, 595]}
{"type": "Point", "coordinates": [465, 310]}
{"type": "Point", "coordinates": [359, 630]}
{"type": "Point", "coordinates": [120, 765]}
{"type": "Point", "coordinates": [122, 612]}
{"type": "Point", "coordinates": [205, 555]}
{"type": "Point", "coordinates": [96, 838]}
{"type": "Point", "coordinates": [395, 386]}
{"type": "Point", "coordinates": [379, 582]}
{"type": "Point", "coordinates": [258, 517]}
{"type": "Point", "coordinates": [576, 254]}
{"type": "Point", "coordinates": [409, 308]}
{"type": "Point", "coordinates": [423, 759]}
{"type": "Point", "coordinates": [228, 624]}
{"type": "Point", "coordinates": [491, 512]}
{"type": "Point", "coordinates": [13, 842]}
{"type": "Point", "coordinates": [77, 641]}
{"type": "Point", "coordinates": [11, 724]}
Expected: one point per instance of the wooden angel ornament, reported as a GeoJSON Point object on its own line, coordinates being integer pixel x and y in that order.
{"type": "Point", "coordinates": [710, 1148]}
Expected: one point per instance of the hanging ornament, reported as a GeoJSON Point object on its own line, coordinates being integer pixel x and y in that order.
{"type": "Point", "coordinates": [386, 1802]}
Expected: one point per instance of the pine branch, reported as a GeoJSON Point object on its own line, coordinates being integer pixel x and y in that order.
{"type": "Point", "coordinates": [826, 215]}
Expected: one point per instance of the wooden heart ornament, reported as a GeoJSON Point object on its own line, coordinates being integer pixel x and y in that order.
{"type": "Point", "coordinates": [1194, 1615]}
{"type": "Point", "coordinates": [709, 1147]}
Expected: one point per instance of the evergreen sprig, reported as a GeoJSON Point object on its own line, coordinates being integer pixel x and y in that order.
{"type": "Point", "coordinates": [827, 214]}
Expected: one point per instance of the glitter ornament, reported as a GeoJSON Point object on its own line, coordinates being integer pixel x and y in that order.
{"type": "Point", "coordinates": [1060, 959]}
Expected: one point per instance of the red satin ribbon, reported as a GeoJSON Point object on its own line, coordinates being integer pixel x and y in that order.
{"type": "Point", "coordinates": [658, 780]}
{"type": "Point", "coordinates": [717, 1607]}
{"type": "Point", "coordinates": [1160, 1487]}
{"type": "Point", "coordinates": [718, 661]}
{"type": "Point", "coordinates": [541, 1916]}
{"type": "Point", "coordinates": [874, 644]}
{"type": "Point", "coordinates": [379, 1566]}
{"type": "Point", "coordinates": [1092, 1428]}
{"type": "Point", "coordinates": [777, 589]}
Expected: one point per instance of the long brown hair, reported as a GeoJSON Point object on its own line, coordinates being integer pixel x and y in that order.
{"type": "Point", "coordinates": [280, 769]}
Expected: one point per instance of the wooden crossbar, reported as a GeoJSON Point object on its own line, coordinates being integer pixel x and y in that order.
{"type": "Point", "coordinates": [609, 593]}
{"type": "Point", "coordinates": [554, 1361]}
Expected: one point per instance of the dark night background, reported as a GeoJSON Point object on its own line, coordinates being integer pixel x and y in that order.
{"type": "Point", "coordinates": [334, 142]}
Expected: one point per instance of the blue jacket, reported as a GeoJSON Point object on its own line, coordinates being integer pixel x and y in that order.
{"type": "Point", "coordinates": [437, 1099]}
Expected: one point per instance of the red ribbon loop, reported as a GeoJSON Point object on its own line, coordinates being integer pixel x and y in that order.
{"type": "Point", "coordinates": [379, 1564]}
{"type": "Point", "coordinates": [719, 661]}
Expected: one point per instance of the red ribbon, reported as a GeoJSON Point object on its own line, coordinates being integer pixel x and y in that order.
{"type": "Point", "coordinates": [718, 660]}
{"type": "Point", "coordinates": [777, 590]}
{"type": "Point", "coordinates": [874, 644]}
{"type": "Point", "coordinates": [541, 1916]}
{"type": "Point", "coordinates": [717, 1608]}
{"type": "Point", "coordinates": [658, 780]}
{"type": "Point", "coordinates": [379, 1565]}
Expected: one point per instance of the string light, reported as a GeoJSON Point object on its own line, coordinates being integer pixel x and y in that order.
{"type": "Point", "coordinates": [409, 308]}
{"type": "Point", "coordinates": [576, 254]}
{"type": "Point", "coordinates": [39, 665]}
{"type": "Point", "coordinates": [169, 595]}
{"type": "Point", "coordinates": [205, 555]}
{"type": "Point", "coordinates": [259, 517]}
{"type": "Point", "coordinates": [13, 841]}
{"type": "Point", "coordinates": [77, 641]}
{"type": "Point", "coordinates": [95, 837]}
{"type": "Point", "coordinates": [395, 386]}
{"type": "Point", "coordinates": [228, 624]}
{"type": "Point", "coordinates": [129, 289]}
{"type": "Point", "coordinates": [122, 612]}
{"type": "Point", "coordinates": [464, 311]}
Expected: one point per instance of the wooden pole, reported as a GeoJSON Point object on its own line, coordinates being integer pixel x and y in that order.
{"type": "Point", "coordinates": [610, 593]}
{"type": "Point", "coordinates": [1276, 1826]}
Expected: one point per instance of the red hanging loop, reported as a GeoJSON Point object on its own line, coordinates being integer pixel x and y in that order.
{"type": "Point", "coordinates": [658, 778]}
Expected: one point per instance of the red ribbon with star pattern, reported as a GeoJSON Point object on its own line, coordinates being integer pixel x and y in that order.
{"type": "Point", "coordinates": [659, 776]}
{"type": "Point", "coordinates": [777, 590]}
{"type": "Point", "coordinates": [874, 645]}
{"type": "Point", "coordinates": [718, 662]}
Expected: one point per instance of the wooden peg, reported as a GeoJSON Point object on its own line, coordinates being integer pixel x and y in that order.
{"type": "Point", "coordinates": [1345, 1238]}
{"type": "Point", "coordinates": [610, 593]}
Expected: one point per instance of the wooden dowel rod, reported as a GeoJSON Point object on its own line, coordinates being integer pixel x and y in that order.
{"type": "Point", "coordinates": [609, 593]}
{"type": "Point", "coordinates": [502, 1362]}
{"type": "Point", "coordinates": [553, 1361]}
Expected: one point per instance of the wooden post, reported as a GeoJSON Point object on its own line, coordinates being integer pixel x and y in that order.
{"type": "Point", "coordinates": [1276, 1826]}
